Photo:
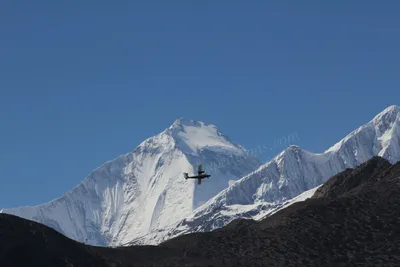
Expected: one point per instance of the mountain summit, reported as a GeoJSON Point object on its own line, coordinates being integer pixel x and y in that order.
{"type": "Point", "coordinates": [381, 137]}
{"type": "Point", "coordinates": [192, 137]}
{"type": "Point", "coordinates": [145, 190]}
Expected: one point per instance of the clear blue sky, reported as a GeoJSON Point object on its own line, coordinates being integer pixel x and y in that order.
{"type": "Point", "coordinates": [82, 82]}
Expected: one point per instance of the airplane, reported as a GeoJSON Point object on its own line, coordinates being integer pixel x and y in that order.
{"type": "Point", "coordinates": [200, 174]}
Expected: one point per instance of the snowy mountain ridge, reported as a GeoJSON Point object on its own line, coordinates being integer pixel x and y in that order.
{"type": "Point", "coordinates": [142, 198]}
{"type": "Point", "coordinates": [292, 172]}
{"type": "Point", "coordinates": [144, 190]}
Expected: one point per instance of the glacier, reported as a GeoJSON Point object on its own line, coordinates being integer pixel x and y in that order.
{"type": "Point", "coordinates": [291, 176]}
{"type": "Point", "coordinates": [145, 189]}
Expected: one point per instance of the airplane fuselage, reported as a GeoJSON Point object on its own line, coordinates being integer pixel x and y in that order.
{"type": "Point", "coordinates": [202, 176]}
{"type": "Point", "coordinates": [198, 177]}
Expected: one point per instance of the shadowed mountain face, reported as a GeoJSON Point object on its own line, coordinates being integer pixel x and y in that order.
{"type": "Point", "coordinates": [27, 243]}
{"type": "Point", "coordinates": [349, 179]}
{"type": "Point", "coordinates": [352, 220]}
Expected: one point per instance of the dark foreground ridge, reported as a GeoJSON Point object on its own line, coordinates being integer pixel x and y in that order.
{"type": "Point", "coordinates": [352, 220]}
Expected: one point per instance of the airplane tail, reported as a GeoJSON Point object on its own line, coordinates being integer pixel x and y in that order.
{"type": "Point", "coordinates": [199, 181]}
{"type": "Point", "coordinates": [186, 175]}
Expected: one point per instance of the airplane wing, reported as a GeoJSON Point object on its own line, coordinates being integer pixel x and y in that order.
{"type": "Point", "coordinates": [200, 169]}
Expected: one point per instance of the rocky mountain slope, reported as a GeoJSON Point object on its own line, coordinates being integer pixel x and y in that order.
{"type": "Point", "coordinates": [289, 174]}
{"type": "Point", "coordinates": [351, 220]}
{"type": "Point", "coordinates": [145, 189]}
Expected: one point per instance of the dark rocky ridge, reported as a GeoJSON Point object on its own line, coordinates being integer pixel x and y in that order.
{"type": "Point", "coordinates": [352, 220]}
{"type": "Point", "coordinates": [349, 179]}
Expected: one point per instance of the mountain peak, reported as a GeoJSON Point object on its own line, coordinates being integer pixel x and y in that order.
{"type": "Point", "coordinates": [389, 114]}
{"type": "Point", "coordinates": [192, 136]}
{"type": "Point", "coordinates": [392, 108]}
{"type": "Point", "coordinates": [383, 125]}
{"type": "Point", "coordinates": [182, 121]}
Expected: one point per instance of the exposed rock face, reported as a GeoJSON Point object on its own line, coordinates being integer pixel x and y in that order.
{"type": "Point", "coordinates": [340, 184]}
{"type": "Point", "coordinates": [354, 221]}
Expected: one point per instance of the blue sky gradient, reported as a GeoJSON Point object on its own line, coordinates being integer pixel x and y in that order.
{"type": "Point", "coordinates": [82, 82]}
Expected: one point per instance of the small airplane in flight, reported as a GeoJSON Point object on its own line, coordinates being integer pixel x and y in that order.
{"type": "Point", "coordinates": [200, 174]}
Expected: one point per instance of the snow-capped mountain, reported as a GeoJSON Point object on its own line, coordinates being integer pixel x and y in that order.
{"type": "Point", "coordinates": [145, 190]}
{"type": "Point", "coordinates": [289, 174]}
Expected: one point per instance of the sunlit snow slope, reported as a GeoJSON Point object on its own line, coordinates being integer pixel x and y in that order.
{"type": "Point", "coordinates": [289, 174]}
{"type": "Point", "coordinates": [145, 189]}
